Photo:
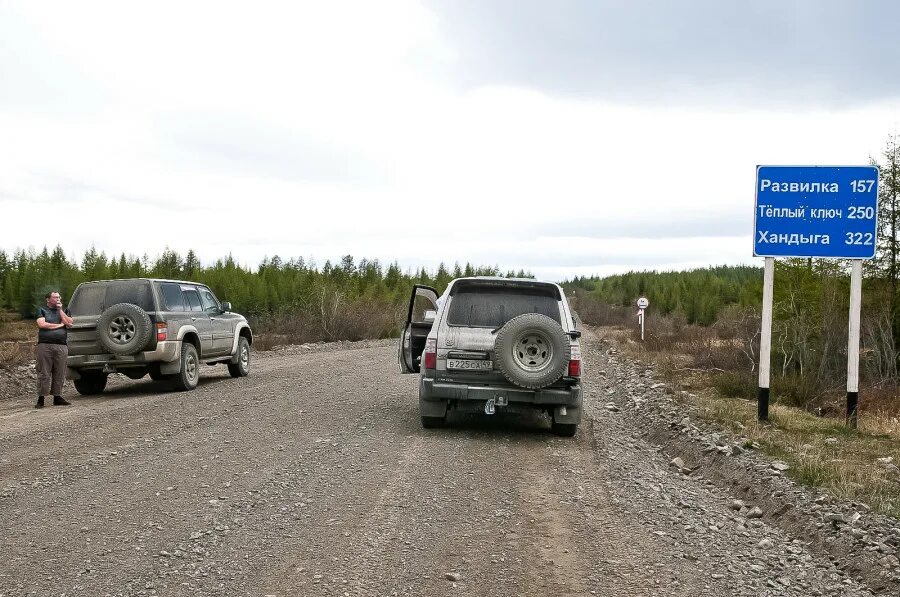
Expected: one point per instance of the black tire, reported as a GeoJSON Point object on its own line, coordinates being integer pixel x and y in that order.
{"type": "Point", "coordinates": [189, 375]}
{"type": "Point", "coordinates": [91, 383]}
{"type": "Point", "coordinates": [124, 329]}
{"type": "Point", "coordinates": [532, 351]}
{"type": "Point", "coordinates": [432, 422]}
{"type": "Point", "coordinates": [564, 429]}
{"type": "Point", "coordinates": [242, 367]}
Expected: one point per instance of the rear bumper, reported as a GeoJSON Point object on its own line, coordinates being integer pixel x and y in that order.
{"type": "Point", "coordinates": [430, 390]}
{"type": "Point", "coordinates": [165, 352]}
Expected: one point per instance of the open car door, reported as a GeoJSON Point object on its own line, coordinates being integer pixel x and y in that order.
{"type": "Point", "coordinates": [422, 308]}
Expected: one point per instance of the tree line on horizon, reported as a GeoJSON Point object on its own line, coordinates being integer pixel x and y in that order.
{"type": "Point", "coordinates": [367, 291]}
{"type": "Point", "coordinates": [698, 295]}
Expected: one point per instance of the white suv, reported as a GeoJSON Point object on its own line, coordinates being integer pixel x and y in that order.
{"type": "Point", "coordinates": [494, 343]}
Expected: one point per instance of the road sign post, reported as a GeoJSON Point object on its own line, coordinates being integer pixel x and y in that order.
{"type": "Point", "coordinates": [765, 341]}
{"type": "Point", "coordinates": [814, 211]}
{"type": "Point", "coordinates": [642, 304]}
{"type": "Point", "coordinates": [853, 342]}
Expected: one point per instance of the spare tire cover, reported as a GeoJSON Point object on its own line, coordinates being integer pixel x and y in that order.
{"type": "Point", "coordinates": [532, 351]}
{"type": "Point", "coordinates": [124, 329]}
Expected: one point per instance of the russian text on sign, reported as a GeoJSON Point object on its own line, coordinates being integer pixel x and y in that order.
{"type": "Point", "coordinates": [795, 238]}
{"type": "Point", "coordinates": [798, 187]}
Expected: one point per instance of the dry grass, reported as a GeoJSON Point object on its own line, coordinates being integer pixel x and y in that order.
{"type": "Point", "coordinates": [17, 340]}
{"type": "Point", "coordinates": [847, 464]}
{"type": "Point", "coordinates": [15, 329]}
{"type": "Point", "coordinates": [881, 422]}
{"type": "Point", "coordinates": [341, 321]}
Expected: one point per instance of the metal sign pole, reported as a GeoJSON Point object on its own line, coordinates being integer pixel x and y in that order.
{"type": "Point", "coordinates": [853, 341]}
{"type": "Point", "coordinates": [765, 341]}
{"type": "Point", "coordinates": [642, 304]}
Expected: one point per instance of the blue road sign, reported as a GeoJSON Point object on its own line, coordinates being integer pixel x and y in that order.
{"type": "Point", "coordinates": [816, 211]}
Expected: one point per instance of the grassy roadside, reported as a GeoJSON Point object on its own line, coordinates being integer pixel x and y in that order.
{"type": "Point", "coordinates": [17, 340]}
{"type": "Point", "coordinates": [820, 450]}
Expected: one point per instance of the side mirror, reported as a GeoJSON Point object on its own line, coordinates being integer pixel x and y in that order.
{"type": "Point", "coordinates": [226, 307]}
{"type": "Point", "coordinates": [430, 316]}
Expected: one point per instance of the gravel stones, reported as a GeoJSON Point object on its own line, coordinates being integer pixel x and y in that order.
{"type": "Point", "coordinates": [755, 512]}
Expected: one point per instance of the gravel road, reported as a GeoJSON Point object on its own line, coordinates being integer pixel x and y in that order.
{"type": "Point", "coordinates": [313, 477]}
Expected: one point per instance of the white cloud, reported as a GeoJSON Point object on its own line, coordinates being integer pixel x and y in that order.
{"type": "Point", "coordinates": [329, 128]}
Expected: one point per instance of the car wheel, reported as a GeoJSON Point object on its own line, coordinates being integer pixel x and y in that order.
{"type": "Point", "coordinates": [91, 383]}
{"type": "Point", "coordinates": [532, 351]}
{"type": "Point", "coordinates": [124, 329]}
{"type": "Point", "coordinates": [189, 375]}
{"type": "Point", "coordinates": [242, 367]}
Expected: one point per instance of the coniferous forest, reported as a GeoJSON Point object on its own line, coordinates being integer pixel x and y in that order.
{"type": "Point", "coordinates": [293, 300]}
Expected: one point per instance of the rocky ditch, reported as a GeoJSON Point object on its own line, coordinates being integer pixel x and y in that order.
{"type": "Point", "coordinates": [860, 543]}
{"type": "Point", "coordinates": [18, 382]}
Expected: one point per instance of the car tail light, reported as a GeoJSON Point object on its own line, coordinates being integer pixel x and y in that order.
{"type": "Point", "coordinates": [575, 362]}
{"type": "Point", "coordinates": [162, 331]}
{"type": "Point", "coordinates": [429, 357]}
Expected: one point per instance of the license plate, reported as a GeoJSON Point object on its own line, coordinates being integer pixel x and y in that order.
{"type": "Point", "coordinates": [470, 364]}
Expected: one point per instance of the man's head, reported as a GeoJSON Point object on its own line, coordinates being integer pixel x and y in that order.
{"type": "Point", "coordinates": [53, 299]}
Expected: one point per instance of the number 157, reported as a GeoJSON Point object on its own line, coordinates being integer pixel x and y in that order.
{"type": "Point", "coordinates": [862, 186]}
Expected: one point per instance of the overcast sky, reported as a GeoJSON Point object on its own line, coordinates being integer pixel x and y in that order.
{"type": "Point", "coordinates": [563, 137]}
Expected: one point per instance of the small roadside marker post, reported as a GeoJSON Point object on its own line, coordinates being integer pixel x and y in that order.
{"type": "Point", "coordinates": [642, 304]}
{"type": "Point", "coordinates": [814, 211]}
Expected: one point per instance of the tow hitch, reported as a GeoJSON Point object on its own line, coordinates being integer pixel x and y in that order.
{"type": "Point", "coordinates": [490, 407]}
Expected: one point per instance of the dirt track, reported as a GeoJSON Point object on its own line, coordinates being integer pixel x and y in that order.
{"type": "Point", "coordinates": [313, 477]}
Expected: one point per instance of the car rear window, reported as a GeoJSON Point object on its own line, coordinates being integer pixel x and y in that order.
{"type": "Point", "coordinates": [192, 299]}
{"type": "Point", "coordinates": [92, 299]}
{"type": "Point", "coordinates": [171, 293]}
{"type": "Point", "coordinates": [493, 306]}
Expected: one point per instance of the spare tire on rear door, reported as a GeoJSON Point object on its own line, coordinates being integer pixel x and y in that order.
{"type": "Point", "coordinates": [532, 351]}
{"type": "Point", "coordinates": [124, 329]}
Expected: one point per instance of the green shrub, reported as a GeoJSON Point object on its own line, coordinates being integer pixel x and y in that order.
{"type": "Point", "coordinates": [735, 385]}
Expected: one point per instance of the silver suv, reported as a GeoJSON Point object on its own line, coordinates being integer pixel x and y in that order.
{"type": "Point", "coordinates": [164, 328]}
{"type": "Point", "coordinates": [490, 343]}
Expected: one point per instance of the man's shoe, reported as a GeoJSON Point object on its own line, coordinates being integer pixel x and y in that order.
{"type": "Point", "coordinates": [60, 401]}
{"type": "Point", "coordinates": [40, 402]}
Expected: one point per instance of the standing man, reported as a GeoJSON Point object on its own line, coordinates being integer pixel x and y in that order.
{"type": "Point", "coordinates": [53, 322]}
